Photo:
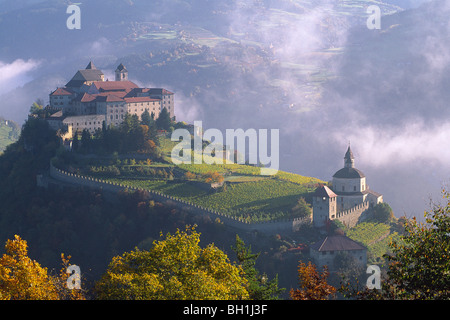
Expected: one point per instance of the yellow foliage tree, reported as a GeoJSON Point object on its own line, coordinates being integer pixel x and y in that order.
{"type": "Point", "coordinates": [213, 177]}
{"type": "Point", "coordinates": [22, 278]}
{"type": "Point", "coordinates": [176, 268]}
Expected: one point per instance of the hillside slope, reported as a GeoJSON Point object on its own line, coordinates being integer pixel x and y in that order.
{"type": "Point", "coordinates": [9, 133]}
{"type": "Point", "coordinates": [244, 193]}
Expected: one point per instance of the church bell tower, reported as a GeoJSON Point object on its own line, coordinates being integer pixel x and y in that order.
{"type": "Point", "coordinates": [121, 73]}
{"type": "Point", "coordinates": [349, 159]}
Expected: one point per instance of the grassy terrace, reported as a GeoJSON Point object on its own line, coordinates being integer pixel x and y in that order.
{"type": "Point", "coordinates": [245, 192]}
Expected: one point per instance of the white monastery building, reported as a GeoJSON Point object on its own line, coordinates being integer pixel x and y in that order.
{"type": "Point", "coordinates": [87, 100]}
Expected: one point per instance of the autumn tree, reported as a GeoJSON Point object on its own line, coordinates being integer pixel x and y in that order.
{"type": "Point", "coordinates": [22, 278]}
{"type": "Point", "coordinates": [175, 268]}
{"type": "Point", "coordinates": [213, 177]}
{"type": "Point", "coordinates": [37, 107]}
{"type": "Point", "coordinates": [313, 285]}
{"type": "Point", "coordinates": [190, 176]}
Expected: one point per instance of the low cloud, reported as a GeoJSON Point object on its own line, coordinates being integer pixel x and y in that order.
{"type": "Point", "coordinates": [16, 73]}
{"type": "Point", "coordinates": [403, 145]}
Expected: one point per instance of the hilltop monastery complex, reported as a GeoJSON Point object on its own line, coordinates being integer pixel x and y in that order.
{"type": "Point", "coordinates": [87, 100]}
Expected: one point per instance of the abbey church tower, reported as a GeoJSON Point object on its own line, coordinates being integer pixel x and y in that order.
{"type": "Point", "coordinates": [121, 73]}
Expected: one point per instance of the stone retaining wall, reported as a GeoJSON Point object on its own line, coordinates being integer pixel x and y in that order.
{"type": "Point", "coordinates": [271, 227]}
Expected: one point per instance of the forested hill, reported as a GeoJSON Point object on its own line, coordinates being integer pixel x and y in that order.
{"type": "Point", "coordinates": [73, 221]}
{"type": "Point", "coordinates": [91, 226]}
{"type": "Point", "coordinates": [9, 132]}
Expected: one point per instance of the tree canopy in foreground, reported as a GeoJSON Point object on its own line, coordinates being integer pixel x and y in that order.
{"type": "Point", "coordinates": [175, 268]}
{"type": "Point", "coordinates": [419, 265]}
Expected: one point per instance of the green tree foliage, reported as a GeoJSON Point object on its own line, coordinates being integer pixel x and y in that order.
{"type": "Point", "coordinates": [164, 122]}
{"type": "Point", "coordinates": [383, 213]}
{"type": "Point", "coordinates": [259, 286]}
{"type": "Point", "coordinates": [302, 208]}
{"type": "Point", "coordinates": [37, 107]}
{"type": "Point", "coordinates": [26, 158]}
{"type": "Point", "coordinates": [146, 119]}
{"type": "Point", "coordinates": [175, 268]}
{"type": "Point", "coordinates": [131, 136]}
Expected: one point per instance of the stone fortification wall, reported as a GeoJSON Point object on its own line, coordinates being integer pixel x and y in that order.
{"type": "Point", "coordinates": [270, 227]}
{"type": "Point", "coordinates": [350, 217]}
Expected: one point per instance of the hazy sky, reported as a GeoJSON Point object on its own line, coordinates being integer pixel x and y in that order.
{"type": "Point", "coordinates": [389, 102]}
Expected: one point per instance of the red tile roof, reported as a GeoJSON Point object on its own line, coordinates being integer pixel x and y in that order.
{"type": "Point", "coordinates": [115, 85]}
{"type": "Point", "coordinates": [61, 92]}
{"type": "Point", "coordinates": [86, 97]}
{"type": "Point", "coordinates": [119, 94]}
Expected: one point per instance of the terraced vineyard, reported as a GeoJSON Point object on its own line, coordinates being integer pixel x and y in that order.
{"type": "Point", "coordinates": [263, 200]}
{"type": "Point", "coordinates": [375, 236]}
{"type": "Point", "coordinates": [245, 193]}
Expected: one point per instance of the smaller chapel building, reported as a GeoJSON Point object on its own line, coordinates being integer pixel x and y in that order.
{"type": "Point", "coordinates": [326, 251]}
{"type": "Point", "coordinates": [347, 199]}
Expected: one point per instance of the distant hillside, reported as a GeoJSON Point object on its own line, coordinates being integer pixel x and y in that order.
{"type": "Point", "coordinates": [9, 133]}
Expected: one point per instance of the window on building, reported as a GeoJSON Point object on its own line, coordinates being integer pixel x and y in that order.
{"type": "Point", "coordinates": [354, 188]}
{"type": "Point", "coordinates": [343, 188]}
